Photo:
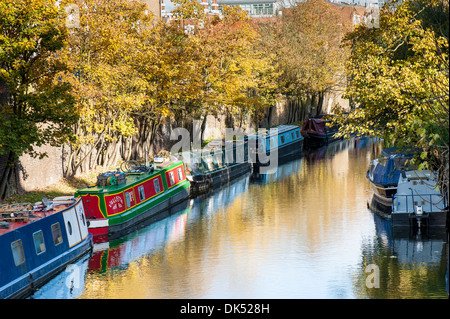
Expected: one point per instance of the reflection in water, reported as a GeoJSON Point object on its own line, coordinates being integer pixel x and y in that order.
{"type": "Point", "coordinates": [303, 232]}
{"type": "Point", "coordinates": [412, 265]}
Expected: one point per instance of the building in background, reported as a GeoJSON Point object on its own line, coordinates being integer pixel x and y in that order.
{"type": "Point", "coordinates": [255, 8]}
{"type": "Point", "coordinates": [154, 6]}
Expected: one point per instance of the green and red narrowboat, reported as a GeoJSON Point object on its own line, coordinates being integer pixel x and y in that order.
{"type": "Point", "coordinates": [121, 200]}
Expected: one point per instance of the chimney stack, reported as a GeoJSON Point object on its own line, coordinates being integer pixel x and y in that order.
{"type": "Point", "coordinates": [215, 7]}
{"type": "Point", "coordinates": [205, 5]}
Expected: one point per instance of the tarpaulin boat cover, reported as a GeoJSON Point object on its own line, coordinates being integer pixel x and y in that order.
{"type": "Point", "coordinates": [392, 161]}
{"type": "Point", "coordinates": [315, 126]}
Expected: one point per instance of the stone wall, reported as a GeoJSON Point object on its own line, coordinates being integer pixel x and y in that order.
{"type": "Point", "coordinates": [39, 173]}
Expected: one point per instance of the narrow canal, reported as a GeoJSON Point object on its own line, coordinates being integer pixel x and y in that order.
{"type": "Point", "coordinates": [303, 232]}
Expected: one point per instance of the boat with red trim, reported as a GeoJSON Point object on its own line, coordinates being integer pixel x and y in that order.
{"type": "Point", "coordinates": [317, 133]}
{"type": "Point", "coordinates": [38, 242]}
{"type": "Point", "coordinates": [121, 200]}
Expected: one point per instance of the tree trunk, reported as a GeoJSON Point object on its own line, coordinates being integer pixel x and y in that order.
{"type": "Point", "coordinates": [9, 179]}
{"type": "Point", "coordinates": [203, 127]}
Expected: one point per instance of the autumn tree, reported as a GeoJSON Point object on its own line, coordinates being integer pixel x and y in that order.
{"type": "Point", "coordinates": [399, 80]}
{"type": "Point", "coordinates": [39, 108]}
{"type": "Point", "coordinates": [106, 82]}
{"type": "Point", "coordinates": [309, 54]}
{"type": "Point", "coordinates": [226, 65]}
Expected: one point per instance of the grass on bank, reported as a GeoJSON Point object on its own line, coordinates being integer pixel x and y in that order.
{"type": "Point", "coordinates": [64, 187]}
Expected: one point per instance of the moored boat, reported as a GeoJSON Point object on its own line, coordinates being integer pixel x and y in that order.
{"type": "Point", "coordinates": [384, 172]}
{"type": "Point", "coordinates": [317, 133]}
{"type": "Point", "coordinates": [219, 163]}
{"type": "Point", "coordinates": [284, 142]}
{"type": "Point", "coordinates": [36, 244]}
{"type": "Point", "coordinates": [112, 208]}
{"type": "Point", "coordinates": [418, 201]}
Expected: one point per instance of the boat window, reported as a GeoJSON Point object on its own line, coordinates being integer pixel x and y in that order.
{"type": "Point", "coordinates": [39, 243]}
{"type": "Point", "coordinates": [156, 184]}
{"type": "Point", "coordinates": [297, 134]}
{"type": "Point", "coordinates": [141, 193]}
{"type": "Point", "coordinates": [171, 178]}
{"type": "Point", "coordinates": [292, 135]}
{"type": "Point", "coordinates": [282, 139]}
{"type": "Point", "coordinates": [57, 235]}
{"type": "Point", "coordinates": [128, 199]}
{"type": "Point", "coordinates": [17, 250]}
{"type": "Point", "coordinates": [69, 227]}
{"type": "Point", "coordinates": [180, 174]}
{"type": "Point", "coordinates": [83, 219]}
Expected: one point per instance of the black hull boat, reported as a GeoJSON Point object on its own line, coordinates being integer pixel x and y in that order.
{"type": "Point", "coordinates": [418, 201]}
{"type": "Point", "coordinates": [284, 141]}
{"type": "Point", "coordinates": [218, 164]}
{"type": "Point", "coordinates": [317, 133]}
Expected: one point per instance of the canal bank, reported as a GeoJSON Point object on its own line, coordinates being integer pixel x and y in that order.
{"type": "Point", "coordinates": [303, 232]}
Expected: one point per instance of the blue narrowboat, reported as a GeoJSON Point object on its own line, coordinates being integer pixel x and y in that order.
{"type": "Point", "coordinates": [277, 144]}
{"type": "Point", "coordinates": [384, 173]}
{"type": "Point", "coordinates": [37, 244]}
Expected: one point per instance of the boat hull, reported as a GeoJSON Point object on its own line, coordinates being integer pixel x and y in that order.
{"type": "Point", "coordinates": [33, 280]}
{"type": "Point", "coordinates": [117, 230]}
{"type": "Point", "coordinates": [418, 201]}
{"type": "Point", "coordinates": [113, 209]}
{"type": "Point", "coordinates": [381, 206]}
{"type": "Point", "coordinates": [434, 219]}
{"type": "Point", "coordinates": [35, 252]}
{"type": "Point", "coordinates": [317, 140]}
{"type": "Point", "coordinates": [103, 229]}
{"type": "Point", "coordinates": [204, 183]}
{"type": "Point", "coordinates": [285, 153]}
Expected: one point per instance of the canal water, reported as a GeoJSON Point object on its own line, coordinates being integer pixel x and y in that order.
{"type": "Point", "coordinates": [303, 232]}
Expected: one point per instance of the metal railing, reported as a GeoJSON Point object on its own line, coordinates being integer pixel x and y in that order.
{"type": "Point", "coordinates": [428, 198]}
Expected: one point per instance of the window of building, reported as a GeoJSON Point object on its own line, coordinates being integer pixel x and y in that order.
{"type": "Point", "coordinates": [39, 244]}
{"type": "Point", "coordinates": [57, 235]}
{"type": "Point", "coordinates": [258, 9]}
{"type": "Point", "coordinates": [17, 250]}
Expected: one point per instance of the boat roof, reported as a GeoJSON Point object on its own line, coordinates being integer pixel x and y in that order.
{"type": "Point", "coordinates": [15, 216]}
{"type": "Point", "coordinates": [130, 180]}
{"type": "Point", "coordinates": [418, 174]}
{"type": "Point", "coordinates": [275, 130]}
